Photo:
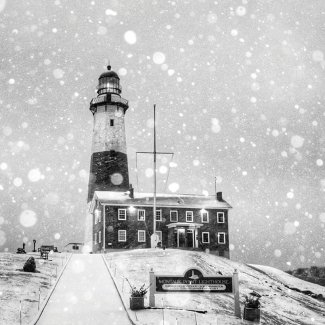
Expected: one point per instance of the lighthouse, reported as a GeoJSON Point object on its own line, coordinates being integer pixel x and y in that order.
{"type": "Point", "coordinates": [109, 164]}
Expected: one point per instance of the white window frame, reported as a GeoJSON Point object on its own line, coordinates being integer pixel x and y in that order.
{"type": "Point", "coordinates": [159, 233]}
{"type": "Point", "coordinates": [207, 213]}
{"type": "Point", "coordinates": [144, 236]}
{"type": "Point", "coordinates": [95, 239]}
{"type": "Point", "coordinates": [97, 214]}
{"type": "Point", "coordinates": [119, 214]}
{"type": "Point", "coordinates": [99, 236]}
{"type": "Point", "coordinates": [160, 217]}
{"type": "Point", "coordinates": [224, 234]}
{"type": "Point", "coordinates": [223, 217]}
{"type": "Point", "coordinates": [189, 214]}
{"type": "Point", "coordinates": [170, 215]}
{"type": "Point", "coordinates": [119, 234]}
{"type": "Point", "coordinates": [205, 242]}
{"type": "Point", "coordinates": [144, 215]}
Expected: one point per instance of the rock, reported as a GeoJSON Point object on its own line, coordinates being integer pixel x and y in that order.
{"type": "Point", "coordinates": [30, 265]}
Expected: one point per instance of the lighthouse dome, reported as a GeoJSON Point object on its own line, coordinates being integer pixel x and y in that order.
{"type": "Point", "coordinates": [109, 82]}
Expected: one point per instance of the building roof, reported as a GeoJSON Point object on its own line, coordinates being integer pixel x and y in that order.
{"type": "Point", "coordinates": [73, 244]}
{"type": "Point", "coordinates": [162, 200]}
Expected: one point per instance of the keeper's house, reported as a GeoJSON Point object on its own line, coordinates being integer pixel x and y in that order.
{"type": "Point", "coordinates": [122, 218]}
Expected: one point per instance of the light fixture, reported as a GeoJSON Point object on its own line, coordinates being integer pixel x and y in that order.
{"type": "Point", "coordinates": [131, 208]}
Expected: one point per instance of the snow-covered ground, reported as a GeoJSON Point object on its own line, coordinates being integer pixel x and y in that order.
{"type": "Point", "coordinates": [279, 303]}
{"type": "Point", "coordinates": [16, 285]}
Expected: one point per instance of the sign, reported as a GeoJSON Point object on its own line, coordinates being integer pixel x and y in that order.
{"type": "Point", "coordinates": [194, 281]}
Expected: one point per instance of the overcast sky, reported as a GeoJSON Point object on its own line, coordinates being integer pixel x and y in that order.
{"type": "Point", "coordinates": [239, 88]}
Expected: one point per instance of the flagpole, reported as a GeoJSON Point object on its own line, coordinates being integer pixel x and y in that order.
{"type": "Point", "coordinates": [155, 170]}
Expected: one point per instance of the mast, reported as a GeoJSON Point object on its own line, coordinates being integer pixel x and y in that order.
{"type": "Point", "coordinates": [155, 170]}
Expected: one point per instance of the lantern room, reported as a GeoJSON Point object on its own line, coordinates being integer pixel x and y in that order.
{"type": "Point", "coordinates": [109, 82]}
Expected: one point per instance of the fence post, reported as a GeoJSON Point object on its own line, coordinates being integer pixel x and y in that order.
{"type": "Point", "coordinates": [152, 288]}
{"type": "Point", "coordinates": [39, 297]}
{"type": "Point", "coordinates": [20, 311]}
{"type": "Point", "coordinates": [236, 294]}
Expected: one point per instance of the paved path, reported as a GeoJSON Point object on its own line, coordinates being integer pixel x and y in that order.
{"type": "Point", "coordinates": [85, 295]}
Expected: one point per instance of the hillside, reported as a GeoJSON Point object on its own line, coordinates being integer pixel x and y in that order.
{"type": "Point", "coordinates": [313, 274]}
{"type": "Point", "coordinates": [281, 301]}
{"type": "Point", "coordinates": [16, 285]}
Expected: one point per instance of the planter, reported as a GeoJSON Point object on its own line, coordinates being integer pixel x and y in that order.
{"type": "Point", "coordinates": [136, 303]}
{"type": "Point", "coordinates": [252, 314]}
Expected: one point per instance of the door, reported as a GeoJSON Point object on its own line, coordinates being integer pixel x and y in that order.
{"type": "Point", "coordinates": [181, 238]}
{"type": "Point", "coordinates": [190, 238]}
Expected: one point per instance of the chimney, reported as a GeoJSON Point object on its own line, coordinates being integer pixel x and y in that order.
{"type": "Point", "coordinates": [219, 196]}
{"type": "Point", "coordinates": [131, 190]}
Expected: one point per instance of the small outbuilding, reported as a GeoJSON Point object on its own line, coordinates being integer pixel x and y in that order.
{"type": "Point", "coordinates": [74, 247]}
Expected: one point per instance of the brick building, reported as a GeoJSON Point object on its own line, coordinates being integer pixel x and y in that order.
{"type": "Point", "coordinates": [122, 218]}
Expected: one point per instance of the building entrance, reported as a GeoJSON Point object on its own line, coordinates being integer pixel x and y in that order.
{"type": "Point", "coordinates": [184, 238]}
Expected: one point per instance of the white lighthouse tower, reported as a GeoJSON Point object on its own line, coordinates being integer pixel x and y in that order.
{"type": "Point", "coordinates": [109, 164]}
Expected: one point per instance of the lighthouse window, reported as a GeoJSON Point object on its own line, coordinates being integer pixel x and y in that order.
{"type": "Point", "coordinates": [205, 237]}
{"type": "Point", "coordinates": [111, 122]}
{"type": "Point", "coordinates": [221, 237]}
{"type": "Point", "coordinates": [141, 236]}
{"type": "Point", "coordinates": [141, 215]}
{"type": "Point", "coordinates": [173, 216]}
{"type": "Point", "coordinates": [220, 217]}
{"type": "Point", "coordinates": [121, 214]}
{"type": "Point", "coordinates": [121, 235]}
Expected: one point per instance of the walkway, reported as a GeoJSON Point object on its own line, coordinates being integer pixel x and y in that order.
{"type": "Point", "coordinates": [85, 295]}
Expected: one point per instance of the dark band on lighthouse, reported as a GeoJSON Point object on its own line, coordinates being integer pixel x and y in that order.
{"type": "Point", "coordinates": [109, 165]}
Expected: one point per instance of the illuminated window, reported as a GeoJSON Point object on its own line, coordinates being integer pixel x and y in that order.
{"type": "Point", "coordinates": [99, 236]}
{"type": "Point", "coordinates": [122, 235]}
{"type": "Point", "coordinates": [205, 216]}
{"type": "Point", "coordinates": [121, 214]}
{"type": "Point", "coordinates": [205, 237]}
{"type": "Point", "coordinates": [95, 238]}
{"type": "Point", "coordinates": [141, 236]}
{"type": "Point", "coordinates": [141, 215]}
{"type": "Point", "coordinates": [189, 216]}
{"type": "Point", "coordinates": [173, 216]}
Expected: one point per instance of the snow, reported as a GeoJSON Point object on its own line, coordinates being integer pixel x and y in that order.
{"type": "Point", "coordinates": [279, 304]}
{"type": "Point", "coordinates": [16, 285]}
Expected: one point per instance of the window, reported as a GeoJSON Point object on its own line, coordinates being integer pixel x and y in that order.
{"type": "Point", "coordinates": [159, 233]}
{"type": "Point", "coordinates": [141, 236]}
{"type": "Point", "coordinates": [99, 236]}
{"type": "Point", "coordinates": [173, 216]}
{"type": "Point", "coordinates": [205, 216]}
{"type": "Point", "coordinates": [98, 215]}
{"type": "Point", "coordinates": [221, 237]}
{"type": "Point", "coordinates": [121, 214]}
{"type": "Point", "coordinates": [111, 122]}
{"type": "Point", "coordinates": [75, 247]}
{"type": "Point", "coordinates": [205, 237]}
{"type": "Point", "coordinates": [220, 217]}
{"type": "Point", "coordinates": [158, 215]}
{"type": "Point", "coordinates": [189, 216]}
{"type": "Point", "coordinates": [141, 215]}
{"type": "Point", "coordinates": [122, 235]}
{"type": "Point", "coordinates": [95, 237]}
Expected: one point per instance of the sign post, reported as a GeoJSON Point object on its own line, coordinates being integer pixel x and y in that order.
{"type": "Point", "coordinates": [152, 288]}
